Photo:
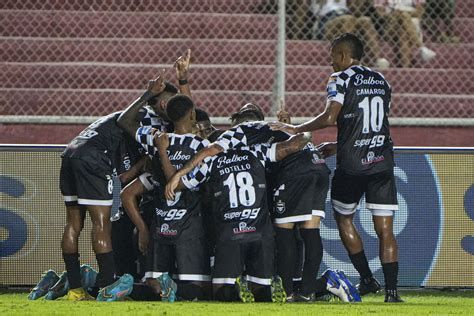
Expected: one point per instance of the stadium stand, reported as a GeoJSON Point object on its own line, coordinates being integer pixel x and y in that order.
{"type": "Point", "coordinates": [64, 57]}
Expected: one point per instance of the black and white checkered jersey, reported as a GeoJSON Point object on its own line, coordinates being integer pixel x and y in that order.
{"type": "Point", "coordinates": [101, 139]}
{"type": "Point", "coordinates": [179, 219]}
{"type": "Point", "coordinates": [150, 120]}
{"type": "Point", "coordinates": [238, 185]}
{"type": "Point", "coordinates": [248, 134]}
{"type": "Point", "coordinates": [251, 133]}
{"type": "Point", "coordinates": [364, 145]}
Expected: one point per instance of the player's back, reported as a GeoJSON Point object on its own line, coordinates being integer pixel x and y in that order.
{"type": "Point", "coordinates": [102, 136]}
{"type": "Point", "coordinates": [237, 181]}
{"type": "Point", "coordinates": [364, 144]}
{"type": "Point", "coordinates": [180, 218]}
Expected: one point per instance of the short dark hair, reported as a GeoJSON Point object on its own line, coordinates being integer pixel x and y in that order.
{"type": "Point", "coordinates": [202, 115]}
{"type": "Point", "coordinates": [169, 87]}
{"type": "Point", "coordinates": [178, 106]}
{"type": "Point", "coordinates": [247, 115]}
{"type": "Point", "coordinates": [353, 43]}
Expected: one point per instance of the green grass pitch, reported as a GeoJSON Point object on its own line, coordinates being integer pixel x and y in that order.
{"type": "Point", "coordinates": [418, 302]}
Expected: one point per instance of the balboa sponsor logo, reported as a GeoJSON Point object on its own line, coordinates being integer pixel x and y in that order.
{"type": "Point", "coordinates": [178, 155]}
{"type": "Point", "coordinates": [243, 228]}
{"type": "Point", "coordinates": [165, 230]}
{"type": "Point", "coordinates": [372, 158]}
{"type": "Point", "coordinates": [360, 80]}
{"type": "Point", "coordinates": [418, 218]}
{"type": "Point", "coordinates": [222, 161]}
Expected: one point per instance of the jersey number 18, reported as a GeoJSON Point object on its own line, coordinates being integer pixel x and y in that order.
{"type": "Point", "coordinates": [240, 189]}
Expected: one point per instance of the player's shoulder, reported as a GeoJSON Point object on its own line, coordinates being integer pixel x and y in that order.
{"type": "Point", "coordinates": [191, 140]}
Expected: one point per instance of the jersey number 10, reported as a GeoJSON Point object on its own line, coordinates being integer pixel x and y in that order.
{"type": "Point", "coordinates": [243, 183]}
{"type": "Point", "coordinates": [373, 114]}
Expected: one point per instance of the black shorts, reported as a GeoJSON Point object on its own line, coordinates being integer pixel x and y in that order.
{"type": "Point", "coordinates": [379, 189]}
{"type": "Point", "coordinates": [86, 181]}
{"type": "Point", "coordinates": [300, 198]}
{"type": "Point", "coordinates": [255, 257]}
{"type": "Point", "coordinates": [189, 260]}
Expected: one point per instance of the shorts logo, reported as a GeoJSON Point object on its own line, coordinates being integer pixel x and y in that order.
{"type": "Point", "coordinates": [243, 228]}
{"type": "Point", "coordinates": [280, 207]}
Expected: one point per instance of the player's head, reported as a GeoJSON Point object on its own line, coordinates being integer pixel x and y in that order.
{"type": "Point", "coordinates": [203, 124]}
{"type": "Point", "coordinates": [346, 50]}
{"type": "Point", "coordinates": [180, 110]}
{"type": "Point", "coordinates": [159, 102]}
{"type": "Point", "coordinates": [248, 113]}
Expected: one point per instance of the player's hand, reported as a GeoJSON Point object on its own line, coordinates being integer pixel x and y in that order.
{"type": "Point", "coordinates": [279, 126]}
{"type": "Point", "coordinates": [182, 65]}
{"type": "Point", "coordinates": [327, 149]}
{"type": "Point", "coordinates": [157, 85]}
{"type": "Point", "coordinates": [162, 142]}
{"type": "Point", "coordinates": [143, 240]}
{"type": "Point", "coordinates": [282, 115]}
{"type": "Point", "coordinates": [171, 187]}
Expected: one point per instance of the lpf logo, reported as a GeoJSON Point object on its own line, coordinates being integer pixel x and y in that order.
{"type": "Point", "coordinates": [417, 225]}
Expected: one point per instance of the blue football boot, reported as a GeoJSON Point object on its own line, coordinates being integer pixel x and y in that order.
{"type": "Point", "coordinates": [117, 290]}
{"type": "Point", "coordinates": [352, 289]}
{"type": "Point", "coordinates": [48, 279]}
{"type": "Point", "coordinates": [335, 286]}
{"type": "Point", "coordinates": [168, 288]}
{"type": "Point", "coordinates": [59, 289]}
{"type": "Point", "coordinates": [88, 276]}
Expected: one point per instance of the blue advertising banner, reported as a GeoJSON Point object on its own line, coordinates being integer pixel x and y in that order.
{"type": "Point", "coordinates": [434, 225]}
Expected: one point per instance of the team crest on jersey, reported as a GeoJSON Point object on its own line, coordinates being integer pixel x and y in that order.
{"type": "Point", "coordinates": [280, 207]}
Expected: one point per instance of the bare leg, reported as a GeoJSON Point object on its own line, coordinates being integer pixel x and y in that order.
{"type": "Point", "coordinates": [388, 249]}
{"type": "Point", "coordinates": [75, 216]}
{"type": "Point", "coordinates": [348, 233]}
{"type": "Point", "coordinates": [101, 228]}
{"type": "Point", "coordinates": [102, 243]}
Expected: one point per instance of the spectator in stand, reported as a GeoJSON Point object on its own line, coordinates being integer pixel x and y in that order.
{"type": "Point", "coordinates": [335, 17]}
{"type": "Point", "coordinates": [439, 14]}
{"type": "Point", "coordinates": [402, 20]}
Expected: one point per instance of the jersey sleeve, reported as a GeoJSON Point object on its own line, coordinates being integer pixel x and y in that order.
{"type": "Point", "coordinates": [232, 138]}
{"type": "Point", "coordinates": [199, 175]}
{"type": "Point", "coordinates": [336, 87]}
{"type": "Point", "coordinates": [264, 153]}
{"type": "Point", "coordinates": [145, 137]}
{"type": "Point", "coordinates": [146, 179]}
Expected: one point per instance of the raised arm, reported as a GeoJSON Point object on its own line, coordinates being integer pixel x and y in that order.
{"type": "Point", "coordinates": [128, 119]}
{"type": "Point", "coordinates": [182, 71]}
